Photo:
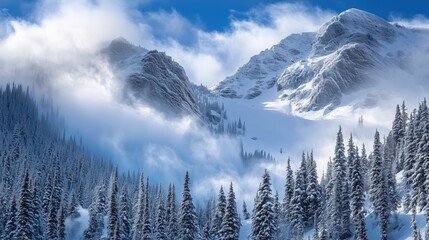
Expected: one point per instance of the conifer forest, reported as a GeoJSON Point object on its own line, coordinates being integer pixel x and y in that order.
{"type": "Point", "coordinates": [48, 180]}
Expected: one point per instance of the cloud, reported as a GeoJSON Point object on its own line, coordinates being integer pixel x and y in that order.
{"type": "Point", "coordinates": [209, 57]}
{"type": "Point", "coordinates": [418, 21]}
{"type": "Point", "coordinates": [57, 55]}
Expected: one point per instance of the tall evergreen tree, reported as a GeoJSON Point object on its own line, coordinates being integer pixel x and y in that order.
{"type": "Point", "coordinates": [276, 209]}
{"type": "Point", "coordinates": [55, 200]}
{"type": "Point", "coordinates": [218, 215]}
{"type": "Point", "coordinates": [410, 152]}
{"type": "Point", "coordinates": [398, 126]}
{"type": "Point", "coordinates": [24, 228]}
{"type": "Point", "coordinates": [289, 188]}
{"type": "Point", "coordinates": [97, 211]}
{"type": "Point", "coordinates": [246, 214]}
{"type": "Point", "coordinates": [73, 207]}
{"type": "Point", "coordinates": [416, 231]}
{"type": "Point", "coordinates": [160, 227]}
{"type": "Point", "coordinates": [263, 223]}
{"type": "Point", "coordinates": [378, 190]}
{"type": "Point", "coordinates": [351, 155]}
{"type": "Point", "coordinates": [36, 220]}
{"type": "Point", "coordinates": [365, 168]}
{"type": "Point", "coordinates": [358, 199]}
{"type": "Point", "coordinates": [124, 215]}
{"type": "Point", "coordinates": [297, 210]}
{"type": "Point", "coordinates": [172, 226]}
{"type": "Point", "coordinates": [11, 224]}
{"type": "Point", "coordinates": [113, 205]}
{"type": "Point", "coordinates": [314, 193]}
{"type": "Point", "coordinates": [339, 201]}
{"type": "Point", "coordinates": [188, 219]}
{"type": "Point", "coordinates": [230, 227]}
{"type": "Point", "coordinates": [388, 170]}
{"type": "Point", "coordinates": [147, 225]}
{"type": "Point", "coordinates": [61, 225]}
{"type": "Point", "coordinates": [137, 229]}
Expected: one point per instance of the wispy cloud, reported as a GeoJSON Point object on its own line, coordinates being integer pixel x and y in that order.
{"type": "Point", "coordinates": [209, 57]}
{"type": "Point", "coordinates": [58, 54]}
{"type": "Point", "coordinates": [418, 21]}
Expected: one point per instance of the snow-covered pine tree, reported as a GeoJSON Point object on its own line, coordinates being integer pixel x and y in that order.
{"type": "Point", "coordinates": [338, 209]}
{"type": "Point", "coordinates": [124, 215]}
{"type": "Point", "coordinates": [289, 188]}
{"type": "Point", "coordinates": [97, 211]}
{"type": "Point", "coordinates": [160, 224]}
{"type": "Point", "coordinates": [314, 193]}
{"type": "Point", "coordinates": [333, 209]}
{"type": "Point", "coordinates": [416, 231]}
{"type": "Point", "coordinates": [297, 210]}
{"type": "Point", "coordinates": [419, 172]}
{"type": "Point", "coordinates": [55, 200]}
{"type": "Point", "coordinates": [378, 192]}
{"type": "Point", "coordinates": [358, 199]}
{"type": "Point", "coordinates": [218, 215]}
{"type": "Point", "coordinates": [147, 224]}
{"type": "Point", "coordinates": [263, 223]}
{"type": "Point", "coordinates": [365, 168]}
{"type": "Point", "coordinates": [410, 150]}
{"type": "Point", "coordinates": [246, 214]}
{"type": "Point", "coordinates": [61, 225]}
{"type": "Point", "coordinates": [206, 218]}
{"type": "Point", "coordinates": [23, 226]}
{"type": "Point", "coordinates": [48, 192]}
{"type": "Point", "coordinates": [398, 126]}
{"type": "Point", "coordinates": [351, 155]}
{"type": "Point", "coordinates": [116, 233]}
{"type": "Point", "coordinates": [73, 207]}
{"type": "Point", "coordinates": [276, 209]}
{"type": "Point", "coordinates": [423, 157]}
{"type": "Point", "coordinates": [113, 205]}
{"type": "Point", "coordinates": [11, 224]}
{"type": "Point", "coordinates": [172, 226]}
{"type": "Point", "coordinates": [388, 168]}
{"type": "Point", "coordinates": [139, 210]}
{"type": "Point", "coordinates": [230, 227]}
{"type": "Point", "coordinates": [188, 220]}
{"type": "Point", "coordinates": [36, 220]}
{"type": "Point", "coordinates": [167, 206]}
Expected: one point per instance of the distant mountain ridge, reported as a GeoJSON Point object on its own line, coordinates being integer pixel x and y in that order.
{"type": "Point", "coordinates": [313, 71]}
{"type": "Point", "coordinates": [152, 78]}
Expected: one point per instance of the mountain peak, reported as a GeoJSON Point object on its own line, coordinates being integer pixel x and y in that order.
{"type": "Point", "coordinates": [353, 24]}
{"type": "Point", "coordinates": [120, 49]}
{"type": "Point", "coordinates": [313, 71]}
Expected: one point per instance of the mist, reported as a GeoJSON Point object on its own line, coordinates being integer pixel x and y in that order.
{"type": "Point", "coordinates": [57, 55]}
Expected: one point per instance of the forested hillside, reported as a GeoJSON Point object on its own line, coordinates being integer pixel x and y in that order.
{"type": "Point", "coordinates": [48, 180]}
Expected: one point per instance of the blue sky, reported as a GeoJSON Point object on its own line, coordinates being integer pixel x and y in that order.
{"type": "Point", "coordinates": [211, 39]}
{"type": "Point", "coordinates": [216, 15]}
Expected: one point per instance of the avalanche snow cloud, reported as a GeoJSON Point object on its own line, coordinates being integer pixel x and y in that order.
{"type": "Point", "coordinates": [57, 55]}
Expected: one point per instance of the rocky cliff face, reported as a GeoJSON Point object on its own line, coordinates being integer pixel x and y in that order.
{"type": "Point", "coordinates": [152, 78]}
{"type": "Point", "coordinates": [313, 71]}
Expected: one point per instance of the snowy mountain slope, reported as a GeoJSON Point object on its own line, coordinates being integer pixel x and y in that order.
{"type": "Point", "coordinates": [262, 71]}
{"type": "Point", "coordinates": [153, 78]}
{"type": "Point", "coordinates": [312, 72]}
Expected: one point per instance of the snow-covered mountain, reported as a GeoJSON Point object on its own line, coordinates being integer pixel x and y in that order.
{"type": "Point", "coordinates": [153, 78]}
{"type": "Point", "coordinates": [312, 72]}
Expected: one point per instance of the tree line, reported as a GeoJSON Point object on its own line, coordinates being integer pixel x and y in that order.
{"type": "Point", "coordinates": [48, 178]}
